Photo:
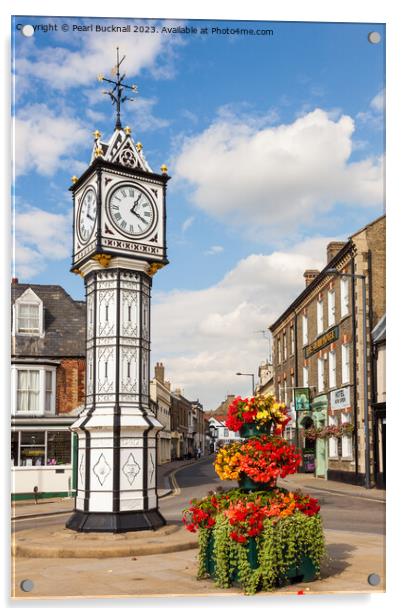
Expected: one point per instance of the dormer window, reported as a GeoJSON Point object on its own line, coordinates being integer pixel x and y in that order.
{"type": "Point", "coordinates": [28, 314]}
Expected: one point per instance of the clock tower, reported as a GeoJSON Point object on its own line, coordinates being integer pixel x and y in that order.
{"type": "Point", "coordinates": [119, 244]}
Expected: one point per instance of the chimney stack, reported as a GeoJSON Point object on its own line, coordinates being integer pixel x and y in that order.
{"type": "Point", "coordinates": [160, 372]}
{"type": "Point", "coordinates": [333, 248]}
{"type": "Point", "coordinates": [309, 276]}
{"type": "Point", "coordinates": [14, 280]}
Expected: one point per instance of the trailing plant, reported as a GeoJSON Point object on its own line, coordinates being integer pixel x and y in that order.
{"type": "Point", "coordinates": [345, 429]}
{"type": "Point", "coordinates": [278, 551]}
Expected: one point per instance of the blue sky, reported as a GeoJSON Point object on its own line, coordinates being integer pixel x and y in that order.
{"type": "Point", "coordinates": [275, 147]}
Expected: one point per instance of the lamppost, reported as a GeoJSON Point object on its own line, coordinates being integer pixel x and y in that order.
{"type": "Point", "coordinates": [247, 374]}
{"type": "Point", "coordinates": [365, 389]}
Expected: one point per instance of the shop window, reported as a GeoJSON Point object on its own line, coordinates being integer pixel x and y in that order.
{"type": "Point", "coordinates": [14, 448]}
{"type": "Point", "coordinates": [32, 451]}
{"type": "Point", "coordinates": [59, 447]}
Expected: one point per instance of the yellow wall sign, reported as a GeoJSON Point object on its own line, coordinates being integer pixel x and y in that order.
{"type": "Point", "coordinates": [321, 342]}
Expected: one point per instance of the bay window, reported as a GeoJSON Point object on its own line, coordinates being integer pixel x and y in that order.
{"type": "Point", "coordinates": [33, 389]}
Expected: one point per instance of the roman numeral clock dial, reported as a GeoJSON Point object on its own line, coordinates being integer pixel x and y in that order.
{"type": "Point", "coordinates": [87, 215]}
{"type": "Point", "coordinates": [131, 211]}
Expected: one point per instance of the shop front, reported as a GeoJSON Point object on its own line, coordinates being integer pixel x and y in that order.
{"type": "Point", "coordinates": [43, 460]}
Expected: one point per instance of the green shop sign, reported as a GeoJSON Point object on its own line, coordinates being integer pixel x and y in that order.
{"type": "Point", "coordinates": [330, 336]}
{"type": "Point", "coordinates": [302, 399]}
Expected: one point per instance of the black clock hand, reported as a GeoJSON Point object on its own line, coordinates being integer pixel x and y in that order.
{"type": "Point", "coordinates": [135, 205]}
{"type": "Point", "coordinates": [90, 217]}
{"type": "Point", "coordinates": [140, 217]}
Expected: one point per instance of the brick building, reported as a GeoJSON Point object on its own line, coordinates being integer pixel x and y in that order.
{"type": "Point", "coordinates": [159, 390]}
{"type": "Point", "coordinates": [47, 387]}
{"type": "Point", "coordinates": [318, 345]}
{"type": "Point", "coordinates": [181, 422]}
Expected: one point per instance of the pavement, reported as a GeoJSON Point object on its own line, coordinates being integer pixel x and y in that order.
{"type": "Point", "coordinates": [62, 563]}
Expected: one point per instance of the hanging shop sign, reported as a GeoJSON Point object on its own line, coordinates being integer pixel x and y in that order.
{"type": "Point", "coordinates": [302, 399]}
{"type": "Point", "coordinates": [322, 341]}
{"type": "Point", "coordinates": [340, 399]}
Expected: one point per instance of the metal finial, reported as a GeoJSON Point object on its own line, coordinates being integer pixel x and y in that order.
{"type": "Point", "coordinates": [116, 93]}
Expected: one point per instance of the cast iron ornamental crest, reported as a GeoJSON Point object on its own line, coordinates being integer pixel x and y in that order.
{"type": "Point", "coordinates": [116, 93]}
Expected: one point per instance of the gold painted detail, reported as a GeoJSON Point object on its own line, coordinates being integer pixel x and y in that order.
{"type": "Point", "coordinates": [154, 267]}
{"type": "Point", "coordinates": [102, 259]}
{"type": "Point", "coordinates": [78, 271]}
{"type": "Point", "coordinates": [127, 130]}
{"type": "Point", "coordinates": [74, 179]}
{"type": "Point", "coordinates": [98, 152]}
{"type": "Point", "coordinates": [164, 169]}
{"type": "Point", "coordinates": [97, 134]}
{"type": "Point", "coordinates": [138, 146]}
{"type": "Point", "coordinates": [100, 77]}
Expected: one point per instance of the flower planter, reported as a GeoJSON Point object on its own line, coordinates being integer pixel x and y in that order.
{"type": "Point", "coordinates": [250, 429]}
{"type": "Point", "coordinates": [305, 571]}
{"type": "Point", "coordinates": [245, 483]}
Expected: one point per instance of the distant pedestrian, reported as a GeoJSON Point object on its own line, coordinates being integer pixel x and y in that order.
{"type": "Point", "coordinates": [198, 452]}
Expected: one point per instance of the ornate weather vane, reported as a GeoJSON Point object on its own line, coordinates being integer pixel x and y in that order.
{"type": "Point", "coordinates": [116, 93]}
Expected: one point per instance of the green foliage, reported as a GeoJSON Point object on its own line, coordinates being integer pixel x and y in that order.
{"type": "Point", "coordinates": [279, 552]}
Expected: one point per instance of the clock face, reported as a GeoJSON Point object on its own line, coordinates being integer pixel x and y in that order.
{"type": "Point", "coordinates": [87, 215]}
{"type": "Point", "coordinates": [131, 211]}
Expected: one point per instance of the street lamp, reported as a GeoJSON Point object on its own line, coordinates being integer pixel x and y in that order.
{"type": "Point", "coordinates": [366, 421]}
{"type": "Point", "coordinates": [247, 374]}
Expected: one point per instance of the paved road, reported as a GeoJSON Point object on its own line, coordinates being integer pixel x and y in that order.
{"type": "Point", "coordinates": [339, 512]}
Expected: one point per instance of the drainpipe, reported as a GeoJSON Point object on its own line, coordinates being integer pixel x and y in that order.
{"type": "Point", "coordinates": [356, 446]}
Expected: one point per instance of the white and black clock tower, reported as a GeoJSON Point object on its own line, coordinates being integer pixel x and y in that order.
{"type": "Point", "coordinates": [119, 244]}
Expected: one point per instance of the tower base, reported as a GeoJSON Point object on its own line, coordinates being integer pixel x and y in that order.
{"type": "Point", "coordinates": [121, 522]}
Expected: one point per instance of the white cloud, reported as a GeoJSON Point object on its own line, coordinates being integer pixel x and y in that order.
{"type": "Point", "coordinates": [187, 223]}
{"type": "Point", "coordinates": [40, 237]}
{"type": "Point", "coordinates": [45, 140]}
{"type": "Point", "coordinates": [204, 337]}
{"type": "Point", "coordinates": [276, 177]}
{"type": "Point", "coordinates": [374, 116]}
{"type": "Point", "coordinates": [378, 102]}
{"type": "Point", "coordinates": [214, 250]}
{"type": "Point", "coordinates": [64, 68]}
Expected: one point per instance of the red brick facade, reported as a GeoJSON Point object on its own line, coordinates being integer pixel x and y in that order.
{"type": "Point", "coordinates": [70, 385]}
